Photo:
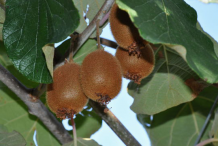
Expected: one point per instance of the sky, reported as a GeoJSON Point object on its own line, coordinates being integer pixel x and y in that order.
{"type": "Point", "coordinates": [120, 106]}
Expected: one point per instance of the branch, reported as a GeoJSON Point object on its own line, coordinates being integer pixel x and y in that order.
{"type": "Point", "coordinates": [207, 121]}
{"type": "Point", "coordinates": [114, 124]}
{"type": "Point", "coordinates": [35, 108]}
{"type": "Point", "coordinates": [92, 26]}
{"type": "Point", "coordinates": [207, 141]}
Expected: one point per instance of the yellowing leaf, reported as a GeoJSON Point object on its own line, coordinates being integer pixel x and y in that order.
{"type": "Point", "coordinates": [48, 50]}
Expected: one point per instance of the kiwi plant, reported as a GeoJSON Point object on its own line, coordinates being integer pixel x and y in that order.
{"type": "Point", "coordinates": [124, 31]}
{"type": "Point", "coordinates": [65, 96]}
{"type": "Point", "coordinates": [101, 76]}
{"type": "Point", "coordinates": [136, 68]}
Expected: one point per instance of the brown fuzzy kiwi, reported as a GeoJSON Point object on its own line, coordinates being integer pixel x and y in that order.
{"type": "Point", "coordinates": [65, 95]}
{"type": "Point", "coordinates": [101, 76]}
{"type": "Point", "coordinates": [124, 31]}
{"type": "Point", "coordinates": [136, 68]}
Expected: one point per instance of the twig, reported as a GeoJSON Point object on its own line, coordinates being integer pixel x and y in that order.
{"type": "Point", "coordinates": [92, 26]}
{"type": "Point", "coordinates": [35, 108]}
{"type": "Point", "coordinates": [207, 121]}
{"type": "Point", "coordinates": [72, 46]}
{"type": "Point", "coordinates": [37, 92]}
{"type": "Point", "coordinates": [74, 130]}
{"type": "Point", "coordinates": [108, 43]}
{"type": "Point", "coordinates": [207, 141]}
{"type": "Point", "coordinates": [98, 34]}
{"type": "Point", "coordinates": [114, 124]}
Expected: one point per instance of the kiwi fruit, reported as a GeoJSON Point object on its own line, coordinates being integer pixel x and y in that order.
{"type": "Point", "coordinates": [65, 96]}
{"type": "Point", "coordinates": [136, 68]}
{"type": "Point", "coordinates": [124, 31]}
{"type": "Point", "coordinates": [101, 76]}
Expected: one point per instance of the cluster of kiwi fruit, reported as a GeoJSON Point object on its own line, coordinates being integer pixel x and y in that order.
{"type": "Point", "coordinates": [135, 54]}
{"type": "Point", "coordinates": [98, 78]}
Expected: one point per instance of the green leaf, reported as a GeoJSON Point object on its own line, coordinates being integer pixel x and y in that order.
{"type": "Point", "coordinates": [215, 43]}
{"type": "Point", "coordinates": [48, 51]}
{"type": "Point", "coordinates": [88, 47]}
{"type": "Point", "coordinates": [83, 142]}
{"type": "Point", "coordinates": [30, 25]}
{"type": "Point", "coordinates": [93, 7]}
{"type": "Point", "coordinates": [6, 62]}
{"type": "Point", "coordinates": [181, 125]}
{"type": "Point", "coordinates": [15, 116]}
{"type": "Point", "coordinates": [10, 138]}
{"type": "Point", "coordinates": [87, 123]}
{"type": "Point", "coordinates": [165, 87]}
{"type": "Point", "coordinates": [170, 23]}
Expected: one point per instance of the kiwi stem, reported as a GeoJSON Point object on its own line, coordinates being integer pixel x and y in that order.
{"type": "Point", "coordinates": [37, 92]}
{"type": "Point", "coordinates": [114, 124]}
{"type": "Point", "coordinates": [72, 46]}
{"type": "Point", "coordinates": [104, 19]}
{"type": "Point", "coordinates": [98, 34]}
{"type": "Point", "coordinates": [92, 26]}
{"type": "Point", "coordinates": [74, 130]}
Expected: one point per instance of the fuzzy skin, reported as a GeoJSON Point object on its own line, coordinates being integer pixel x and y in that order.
{"type": "Point", "coordinates": [66, 91]}
{"type": "Point", "coordinates": [101, 73]}
{"type": "Point", "coordinates": [123, 30]}
{"type": "Point", "coordinates": [142, 66]}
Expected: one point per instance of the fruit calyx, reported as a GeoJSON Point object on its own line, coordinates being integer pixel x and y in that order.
{"type": "Point", "coordinates": [63, 113]}
{"type": "Point", "coordinates": [132, 76]}
{"type": "Point", "coordinates": [135, 48]}
{"type": "Point", "coordinates": [104, 99]}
